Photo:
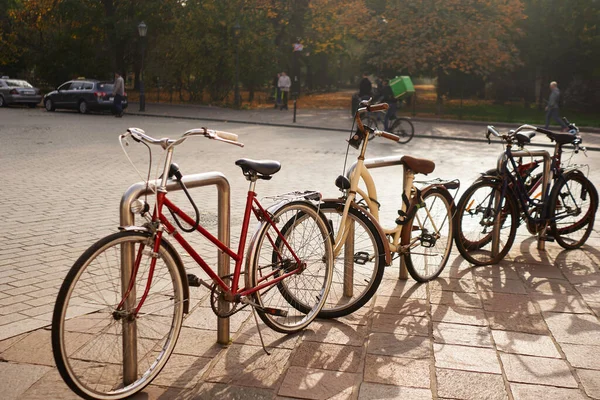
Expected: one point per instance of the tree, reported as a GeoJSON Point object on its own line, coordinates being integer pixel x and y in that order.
{"type": "Point", "coordinates": [435, 37]}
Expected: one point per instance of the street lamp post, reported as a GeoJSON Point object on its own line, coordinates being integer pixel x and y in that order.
{"type": "Point", "coordinates": [236, 36]}
{"type": "Point", "coordinates": [142, 30]}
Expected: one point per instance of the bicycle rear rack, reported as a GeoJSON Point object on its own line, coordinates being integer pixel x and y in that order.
{"type": "Point", "coordinates": [127, 218]}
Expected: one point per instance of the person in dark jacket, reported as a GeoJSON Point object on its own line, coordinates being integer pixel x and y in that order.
{"type": "Point", "coordinates": [388, 97]}
{"type": "Point", "coordinates": [365, 88]}
{"type": "Point", "coordinates": [552, 107]}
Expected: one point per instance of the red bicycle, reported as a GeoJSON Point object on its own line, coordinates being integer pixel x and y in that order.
{"type": "Point", "coordinates": [109, 341]}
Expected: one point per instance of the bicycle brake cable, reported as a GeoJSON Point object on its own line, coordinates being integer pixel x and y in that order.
{"type": "Point", "coordinates": [348, 146]}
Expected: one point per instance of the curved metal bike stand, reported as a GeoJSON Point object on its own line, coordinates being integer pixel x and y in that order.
{"type": "Point", "coordinates": [372, 163]}
{"type": "Point", "coordinates": [545, 181]}
{"type": "Point", "coordinates": [127, 218]}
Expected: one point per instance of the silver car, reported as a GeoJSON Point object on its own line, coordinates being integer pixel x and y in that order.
{"type": "Point", "coordinates": [16, 91]}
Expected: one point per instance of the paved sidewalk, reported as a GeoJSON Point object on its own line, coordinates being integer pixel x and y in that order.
{"type": "Point", "coordinates": [527, 328]}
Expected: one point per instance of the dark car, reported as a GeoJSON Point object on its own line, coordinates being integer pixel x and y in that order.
{"type": "Point", "coordinates": [17, 91]}
{"type": "Point", "coordinates": [83, 95]}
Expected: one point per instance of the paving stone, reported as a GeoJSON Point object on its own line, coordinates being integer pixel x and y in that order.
{"type": "Point", "coordinates": [221, 391]}
{"type": "Point", "coordinates": [589, 293]}
{"type": "Point", "coordinates": [197, 342]}
{"type": "Point", "coordinates": [466, 335]}
{"type": "Point", "coordinates": [543, 371]}
{"type": "Point", "coordinates": [327, 356]}
{"type": "Point", "coordinates": [401, 305]}
{"type": "Point", "coordinates": [574, 328]}
{"type": "Point", "coordinates": [399, 345]}
{"type": "Point", "coordinates": [205, 318]}
{"type": "Point", "coordinates": [530, 271]}
{"type": "Point", "coordinates": [491, 285]}
{"type": "Point", "coordinates": [525, 343]}
{"type": "Point", "coordinates": [560, 303]}
{"type": "Point", "coordinates": [466, 358]}
{"type": "Point", "coordinates": [34, 348]}
{"type": "Point", "coordinates": [591, 382]}
{"type": "Point", "coordinates": [402, 288]}
{"type": "Point", "coordinates": [397, 371]}
{"type": "Point", "coordinates": [498, 273]}
{"type": "Point", "coordinates": [19, 327]}
{"type": "Point", "coordinates": [17, 378]}
{"type": "Point", "coordinates": [469, 385]}
{"type": "Point", "coordinates": [370, 391]}
{"type": "Point", "coordinates": [316, 384]}
{"type": "Point", "coordinates": [248, 334]}
{"type": "Point", "coordinates": [503, 302]}
{"type": "Point", "coordinates": [182, 371]}
{"type": "Point", "coordinates": [249, 366]}
{"type": "Point", "coordinates": [458, 299]}
{"type": "Point", "coordinates": [8, 319]}
{"type": "Point", "coordinates": [335, 332]}
{"type": "Point", "coordinates": [522, 322]}
{"type": "Point", "coordinates": [528, 392]}
{"type": "Point", "coordinates": [50, 386]}
{"type": "Point", "coordinates": [551, 286]}
{"type": "Point", "coordinates": [400, 324]}
{"type": "Point", "coordinates": [581, 356]}
{"type": "Point", "coordinates": [7, 343]}
{"type": "Point", "coordinates": [458, 315]}
{"type": "Point", "coordinates": [453, 285]}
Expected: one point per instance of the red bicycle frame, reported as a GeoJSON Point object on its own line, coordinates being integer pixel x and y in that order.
{"type": "Point", "coordinates": [259, 212]}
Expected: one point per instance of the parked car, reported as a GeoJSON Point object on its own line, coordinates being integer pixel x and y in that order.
{"type": "Point", "coordinates": [17, 91]}
{"type": "Point", "coordinates": [83, 95]}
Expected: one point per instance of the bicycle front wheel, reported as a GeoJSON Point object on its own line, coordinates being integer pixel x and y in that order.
{"type": "Point", "coordinates": [480, 210]}
{"type": "Point", "coordinates": [87, 328]}
{"type": "Point", "coordinates": [574, 203]}
{"type": "Point", "coordinates": [288, 305]}
{"type": "Point", "coordinates": [428, 236]}
{"type": "Point", "coordinates": [358, 268]}
{"type": "Point", "coordinates": [403, 128]}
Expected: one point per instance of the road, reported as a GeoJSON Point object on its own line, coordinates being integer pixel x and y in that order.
{"type": "Point", "coordinates": [63, 175]}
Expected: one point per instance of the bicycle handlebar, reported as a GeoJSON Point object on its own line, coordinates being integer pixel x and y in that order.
{"type": "Point", "coordinates": [387, 135]}
{"type": "Point", "coordinates": [139, 135]}
{"type": "Point", "coordinates": [509, 137]}
{"type": "Point", "coordinates": [378, 107]}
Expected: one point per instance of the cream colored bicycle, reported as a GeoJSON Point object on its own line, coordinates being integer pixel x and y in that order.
{"type": "Point", "coordinates": [421, 235]}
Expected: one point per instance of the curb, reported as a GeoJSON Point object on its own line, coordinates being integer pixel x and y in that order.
{"type": "Point", "coordinates": [319, 128]}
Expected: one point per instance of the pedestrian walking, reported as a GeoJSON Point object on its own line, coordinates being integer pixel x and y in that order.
{"type": "Point", "coordinates": [365, 88]}
{"type": "Point", "coordinates": [276, 90]}
{"type": "Point", "coordinates": [118, 93]}
{"type": "Point", "coordinates": [284, 85]}
{"type": "Point", "coordinates": [388, 97]}
{"type": "Point", "coordinates": [552, 110]}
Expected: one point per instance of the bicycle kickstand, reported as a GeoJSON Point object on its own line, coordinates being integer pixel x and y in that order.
{"type": "Point", "coordinates": [259, 332]}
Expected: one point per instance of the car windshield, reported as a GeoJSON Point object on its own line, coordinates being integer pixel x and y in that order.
{"type": "Point", "coordinates": [105, 87]}
{"type": "Point", "coordinates": [16, 83]}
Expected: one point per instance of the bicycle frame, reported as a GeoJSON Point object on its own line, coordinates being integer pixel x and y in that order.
{"type": "Point", "coordinates": [233, 292]}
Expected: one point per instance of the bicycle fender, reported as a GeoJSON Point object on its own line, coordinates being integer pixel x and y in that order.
{"type": "Point", "coordinates": [370, 217]}
{"type": "Point", "coordinates": [176, 257]}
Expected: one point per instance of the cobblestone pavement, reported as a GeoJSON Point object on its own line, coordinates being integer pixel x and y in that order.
{"type": "Point", "coordinates": [524, 329]}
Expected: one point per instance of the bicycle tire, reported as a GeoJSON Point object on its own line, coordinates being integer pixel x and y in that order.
{"type": "Point", "coordinates": [302, 295]}
{"type": "Point", "coordinates": [368, 262]}
{"type": "Point", "coordinates": [403, 128]}
{"type": "Point", "coordinates": [429, 235]}
{"type": "Point", "coordinates": [85, 303]}
{"type": "Point", "coordinates": [574, 196]}
{"type": "Point", "coordinates": [474, 244]}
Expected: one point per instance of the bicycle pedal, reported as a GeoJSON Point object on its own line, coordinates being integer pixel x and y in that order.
{"type": "Point", "coordinates": [361, 257]}
{"type": "Point", "coordinates": [194, 281]}
{"type": "Point", "coordinates": [274, 311]}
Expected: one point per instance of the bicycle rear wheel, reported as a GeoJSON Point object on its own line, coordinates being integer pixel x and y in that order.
{"type": "Point", "coordinates": [357, 271]}
{"type": "Point", "coordinates": [87, 328]}
{"type": "Point", "coordinates": [428, 236]}
{"type": "Point", "coordinates": [292, 303]}
{"type": "Point", "coordinates": [479, 210]}
{"type": "Point", "coordinates": [403, 128]}
{"type": "Point", "coordinates": [574, 203]}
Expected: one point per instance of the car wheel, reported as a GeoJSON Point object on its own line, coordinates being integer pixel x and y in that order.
{"type": "Point", "coordinates": [2, 102]}
{"type": "Point", "coordinates": [49, 105]}
{"type": "Point", "coordinates": [32, 105]}
{"type": "Point", "coordinates": [83, 107]}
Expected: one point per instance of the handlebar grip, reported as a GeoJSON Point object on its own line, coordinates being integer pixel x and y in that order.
{"type": "Point", "coordinates": [378, 107]}
{"type": "Point", "coordinates": [227, 136]}
{"type": "Point", "coordinates": [390, 136]}
{"type": "Point", "coordinates": [544, 131]}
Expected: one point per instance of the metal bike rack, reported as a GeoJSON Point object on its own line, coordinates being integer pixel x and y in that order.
{"type": "Point", "coordinates": [127, 218]}
{"type": "Point", "coordinates": [372, 163]}
{"type": "Point", "coordinates": [545, 180]}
